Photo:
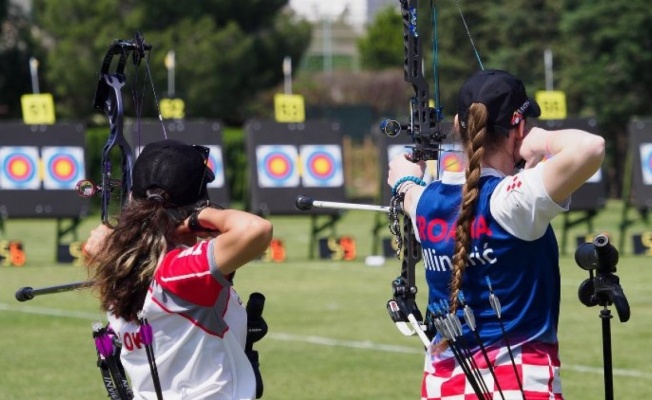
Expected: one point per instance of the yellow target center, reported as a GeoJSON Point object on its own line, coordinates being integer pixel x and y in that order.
{"type": "Point", "coordinates": [278, 166]}
{"type": "Point", "coordinates": [19, 168]}
{"type": "Point", "coordinates": [321, 166]}
{"type": "Point", "coordinates": [63, 168]}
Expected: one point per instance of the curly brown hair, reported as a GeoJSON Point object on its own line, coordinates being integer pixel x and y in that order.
{"type": "Point", "coordinates": [122, 270]}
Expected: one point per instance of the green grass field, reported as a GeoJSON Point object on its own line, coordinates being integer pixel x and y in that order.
{"type": "Point", "coordinates": [329, 334]}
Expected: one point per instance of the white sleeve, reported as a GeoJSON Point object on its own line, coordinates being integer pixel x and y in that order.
{"type": "Point", "coordinates": [522, 206]}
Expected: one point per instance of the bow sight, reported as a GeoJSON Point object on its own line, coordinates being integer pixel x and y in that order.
{"type": "Point", "coordinates": [423, 128]}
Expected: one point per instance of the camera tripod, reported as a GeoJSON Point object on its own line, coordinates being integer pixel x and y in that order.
{"type": "Point", "coordinates": [603, 289]}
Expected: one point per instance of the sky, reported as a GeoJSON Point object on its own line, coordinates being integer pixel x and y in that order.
{"type": "Point", "coordinates": [318, 9]}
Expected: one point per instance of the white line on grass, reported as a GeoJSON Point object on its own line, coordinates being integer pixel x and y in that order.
{"type": "Point", "coordinates": [51, 312]}
{"type": "Point", "coordinates": [318, 340]}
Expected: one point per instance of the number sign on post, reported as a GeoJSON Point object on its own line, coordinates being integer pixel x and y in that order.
{"type": "Point", "coordinates": [38, 109]}
{"type": "Point", "coordinates": [553, 104]}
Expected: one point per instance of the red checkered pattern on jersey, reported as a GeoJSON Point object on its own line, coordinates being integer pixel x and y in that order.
{"type": "Point", "coordinates": [537, 364]}
{"type": "Point", "coordinates": [516, 183]}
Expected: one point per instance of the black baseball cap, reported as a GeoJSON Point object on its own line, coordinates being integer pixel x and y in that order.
{"type": "Point", "coordinates": [180, 169]}
{"type": "Point", "coordinates": [504, 96]}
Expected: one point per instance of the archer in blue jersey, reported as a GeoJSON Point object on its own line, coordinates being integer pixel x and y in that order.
{"type": "Point", "coordinates": [491, 223]}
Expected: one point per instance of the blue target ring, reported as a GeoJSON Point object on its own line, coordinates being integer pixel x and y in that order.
{"type": "Point", "coordinates": [19, 168]}
{"type": "Point", "coordinates": [321, 165]}
{"type": "Point", "coordinates": [63, 168]}
{"type": "Point", "coordinates": [277, 166]}
{"type": "Point", "coordinates": [216, 165]}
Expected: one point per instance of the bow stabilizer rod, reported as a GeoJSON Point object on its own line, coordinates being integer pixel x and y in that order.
{"type": "Point", "coordinates": [305, 203]}
{"type": "Point", "coordinates": [28, 293]}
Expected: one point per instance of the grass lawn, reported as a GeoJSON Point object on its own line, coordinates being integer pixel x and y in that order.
{"type": "Point", "coordinates": [329, 334]}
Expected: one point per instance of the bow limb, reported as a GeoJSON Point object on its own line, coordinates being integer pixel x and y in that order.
{"type": "Point", "coordinates": [424, 128]}
{"type": "Point", "coordinates": [114, 109]}
{"type": "Point", "coordinates": [108, 98]}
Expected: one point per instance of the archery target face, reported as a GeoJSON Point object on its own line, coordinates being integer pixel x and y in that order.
{"type": "Point", "coordinates": [63, 167]}
{"type": "Point", "coordinates": [452, 159]}
{"type": "Point", "coordinates": [321, 166]}
{"type": "Point", "coordinates": [20, 168]}
{"type": "Point", "coordinates": [216, 164]}
{"type": "Point", "coordinates": [276, 166]}
{"type": "Point", "coordinates": [646, 162]}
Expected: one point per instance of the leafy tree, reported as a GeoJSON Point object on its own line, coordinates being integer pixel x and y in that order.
{"type": "Point", "coordinates": [76, 35]}
{"type": "Point", "coordinates": [607, 72]}
{"type": "Point", "coordinates": [515, 34]}
{"type": "Point", "coordinates": [382, 48]}
{"type": "Point", "coordinates": [510, 35]}
{"type": "Point", "coordinates": [16, 48]}
{"type": "Point", "coordinates": [226, 52]}
{"type": "Point", "coordinates": [382, 45]}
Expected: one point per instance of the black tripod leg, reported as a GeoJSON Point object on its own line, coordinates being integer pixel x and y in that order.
{"type": "Point", "coordinates": [605, 315]}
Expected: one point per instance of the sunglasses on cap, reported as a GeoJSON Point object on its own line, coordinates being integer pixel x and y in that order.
{"type": "Point", "coordinates": [204, 152]}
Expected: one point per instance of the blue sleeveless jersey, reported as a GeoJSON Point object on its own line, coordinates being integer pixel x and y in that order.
{"type": "Point", "coordinates": [524, 274]}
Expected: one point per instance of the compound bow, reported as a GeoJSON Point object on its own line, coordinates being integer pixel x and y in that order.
{"type": "Point", "coordinates": [108, 98]}
{"type": "Point", "coordinates": [425, 132]}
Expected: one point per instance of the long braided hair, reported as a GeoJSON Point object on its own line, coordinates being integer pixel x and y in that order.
{"type": "Point", "coordinates": [476, 139]}
{"type": "Point", "coordinates": [122, 270]}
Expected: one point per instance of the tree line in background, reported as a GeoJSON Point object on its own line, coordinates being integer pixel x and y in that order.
{"type": "Point", "coordinates": [229, 55]}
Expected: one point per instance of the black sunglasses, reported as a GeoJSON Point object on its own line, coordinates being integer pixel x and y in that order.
{"type": "Point", "coordinates": [204, 152]}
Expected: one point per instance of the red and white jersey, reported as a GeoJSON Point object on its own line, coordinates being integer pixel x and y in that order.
{"type": "Point", "coordinates": [200, 327]}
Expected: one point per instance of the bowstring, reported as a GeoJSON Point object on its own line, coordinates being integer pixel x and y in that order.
{"type": "Point", "coordinates": [468, 33]}
{"type": "Point", "coordinates": [158, 108]}
{"type": "Point", "coordinates": [139, 101]}
{"type": "Point", "coordinates": [435, 60]}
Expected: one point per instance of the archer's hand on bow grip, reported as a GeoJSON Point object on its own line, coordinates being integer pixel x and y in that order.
{"type": "Point", "coordinates": [96, 240]}
{"type": "Point", "coordinates": [198, 225]}
{"type": "Point", "coordinates": [402, 165]}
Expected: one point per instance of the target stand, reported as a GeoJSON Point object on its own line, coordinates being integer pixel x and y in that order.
{"type": "Point", "coordinates": [637, 188]}
{"type": "Point", "coordinates": [40, 166]}
{"type": "Point", "coordinates": [289, 160]}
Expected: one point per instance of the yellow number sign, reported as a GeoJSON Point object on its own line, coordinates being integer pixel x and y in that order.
{"type": "Point", "coordinates": [38, 109]}
{"type": "Point", "coordinates": [173, 108]}
{"type": "Point", "coordinates": [289, 108]}
{"type": "Point", "coordinates": [553, 104]}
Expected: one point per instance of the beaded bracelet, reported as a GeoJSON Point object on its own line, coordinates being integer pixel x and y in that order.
{"type": "Point", "coordinates": [405, 187]}
{"type": "Point", "coordinates": [404, 179]}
